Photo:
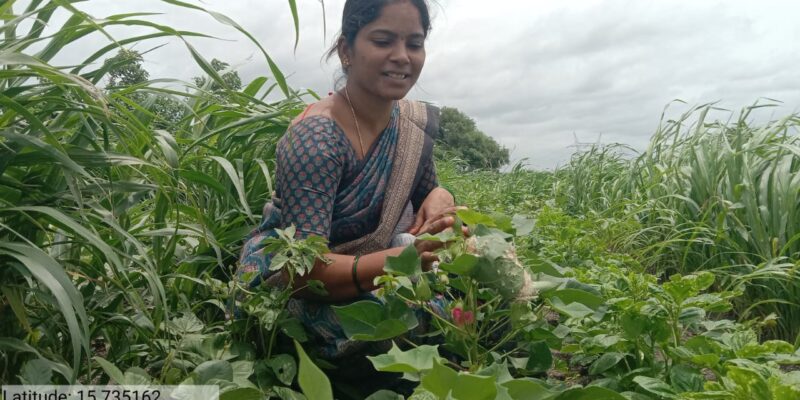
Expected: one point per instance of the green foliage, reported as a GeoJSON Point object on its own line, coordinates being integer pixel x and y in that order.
{"type": "Point", "coordinates": [311, 379]}
{"type": "Point", "coordinates": [412, 361]}
{"type": "Point", "coordinates": [121, 236]}
{"type": "Point", "coordinates": [623, 329]}
{"type": "Point", "coordinates": [125, 68]}
{"type": "Point", "coordinates": [295, 256]}
{"type": "Point", "coordinates": [230, 78]}
{"type": "Point", "coordinates": [373, 321]}
{"type": "Point", "coordinates": [459, 137]}
{"type": "Point", "coordinates": [519, 191]}
{"type": "Point", "coordinates": [406, 264]}
{"type": "Point", "coordinates": [708, 196]}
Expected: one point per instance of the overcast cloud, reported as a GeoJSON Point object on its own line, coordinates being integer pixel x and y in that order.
{"type": "Point", "coordinates": [533, 74]}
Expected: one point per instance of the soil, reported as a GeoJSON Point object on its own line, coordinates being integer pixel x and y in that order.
{"type": "Point", "coordinates": [790, 367]}
{"type": "Point", "coordinates": [576, 375]}
{"type": "Point", "coordinates": [709, 375]}
{"type": "Point", "coordinates": [552, 318]}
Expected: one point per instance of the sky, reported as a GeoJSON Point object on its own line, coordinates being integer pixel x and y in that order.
{"type": "Point", "coordinates": [538, 76]}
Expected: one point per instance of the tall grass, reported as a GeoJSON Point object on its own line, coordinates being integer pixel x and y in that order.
{"type": "Point", "coordinates": [108, 224]}
{"type": "Point", "coordinates": [721, 196]}
{"type": "Point", "coordinates": [704, 195]}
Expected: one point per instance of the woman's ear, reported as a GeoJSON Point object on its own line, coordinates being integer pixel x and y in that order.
{"type": "Point", "coordinates": [344, 53]}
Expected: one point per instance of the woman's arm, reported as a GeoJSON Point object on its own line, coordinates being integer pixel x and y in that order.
{"type": "Point", "coordinates": [338, 275]}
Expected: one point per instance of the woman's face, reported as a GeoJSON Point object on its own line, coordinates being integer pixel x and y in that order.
{"type": "Point", "coordinates": [388, 53]}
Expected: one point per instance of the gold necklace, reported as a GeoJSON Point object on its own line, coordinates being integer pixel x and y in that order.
{"type": "Point", "coordinates": [358, 130]}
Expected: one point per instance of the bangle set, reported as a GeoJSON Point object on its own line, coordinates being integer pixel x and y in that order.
{"type": "Point", "coordinates": [355, 276]}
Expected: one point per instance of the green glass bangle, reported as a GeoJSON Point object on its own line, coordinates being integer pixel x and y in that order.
{"type": "Point", "coordinates": [355, 276]}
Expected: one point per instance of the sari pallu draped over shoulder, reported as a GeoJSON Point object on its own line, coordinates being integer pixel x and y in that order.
{"type": "Point", "coordinates": [371, 204]}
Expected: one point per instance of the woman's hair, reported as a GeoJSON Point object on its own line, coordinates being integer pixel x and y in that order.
{"type": "Point", "coordinates": [358, 13]}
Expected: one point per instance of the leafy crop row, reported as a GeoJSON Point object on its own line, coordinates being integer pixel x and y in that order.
{"type": "Point", "coordinates": [599, 330]}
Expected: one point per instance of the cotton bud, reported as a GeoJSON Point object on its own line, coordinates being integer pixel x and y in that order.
{"type": "Point", "coordinates": [461, 317]}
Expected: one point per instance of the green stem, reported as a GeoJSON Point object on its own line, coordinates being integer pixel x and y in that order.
{"type": "Point", "coordinates": [271, 341]}
{"type": "Point", "coordinates": [497, 327]}
{"type": "Point", "coordinates": [504, 340]}
{"type": "Point", "coordinates": [431, 312]}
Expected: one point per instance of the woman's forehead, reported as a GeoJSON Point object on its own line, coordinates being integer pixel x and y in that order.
{"type": "Point", "coordinates": [398, 18]}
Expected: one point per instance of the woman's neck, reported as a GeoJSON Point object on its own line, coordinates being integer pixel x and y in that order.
{"type": "Point", "coordinates": [373, 114]}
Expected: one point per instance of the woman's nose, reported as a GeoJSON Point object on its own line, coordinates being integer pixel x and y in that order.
{"type": "Point", "coordinates": [400, 53]}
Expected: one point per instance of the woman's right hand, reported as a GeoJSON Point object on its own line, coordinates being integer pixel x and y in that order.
{"type": "Point", "coordinates": [426, 248]}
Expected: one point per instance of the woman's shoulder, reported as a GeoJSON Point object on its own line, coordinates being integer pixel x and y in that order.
{"type": "Point", "coordinates": [315, 121]}
{"type": "Point", "coordinates": [320, 111]}
{"type": "Point", "coordinates": [312, 126]}
{"type": "Point", "coordinates": [314, 129]}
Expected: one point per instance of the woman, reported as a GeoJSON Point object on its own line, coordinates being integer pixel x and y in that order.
{"type": "Point", "coordinates": [357, 166]}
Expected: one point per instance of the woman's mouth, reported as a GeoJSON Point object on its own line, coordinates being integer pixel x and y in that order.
{"type": "Point", "coordinates": [395, 75]}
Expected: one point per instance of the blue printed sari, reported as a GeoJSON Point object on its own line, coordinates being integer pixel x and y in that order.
{"type": "Point", "coordinates": [360, 206]}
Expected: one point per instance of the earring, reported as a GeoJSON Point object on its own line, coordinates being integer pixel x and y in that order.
{"type": "Point", "coordinates": [346, 62]}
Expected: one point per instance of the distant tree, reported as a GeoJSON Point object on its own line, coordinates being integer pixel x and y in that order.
{"type": "Point", "coordinates": [231, 78]}
{"type": "Point", "coordinates": [460, 137]}
{"type": "Point", "coordinates": [126, 69]}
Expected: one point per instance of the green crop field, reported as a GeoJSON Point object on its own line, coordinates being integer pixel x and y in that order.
{"type": "Point", "coordinates": [667, 273]}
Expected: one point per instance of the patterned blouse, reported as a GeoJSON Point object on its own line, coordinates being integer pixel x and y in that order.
{"type": "Point", "coordinates": [315, 163]}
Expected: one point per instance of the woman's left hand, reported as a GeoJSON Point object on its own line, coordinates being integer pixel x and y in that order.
{"type": "Point", "coordinates": [438, 205]}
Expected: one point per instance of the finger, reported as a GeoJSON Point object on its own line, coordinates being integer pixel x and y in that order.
{"type": "Point", "coordinates": [424, 229]}
{"type": "Point", "coordinates": [428, 245]}
{"type": "Point", "coordinates": [439, 225]}
{"type": "Point", "coordinates": [417, 227]}
{"type": "Point", "coordinates": [431, 245]}
{"type": "Point", "coordinates": [446, 222]}
{"type": "Point", "coordinates": [419, 221]}
{"type": "Point", "coordinates": [426, 226]}
{"type": "Point", "coordinates": [429, 256]}
{"type": "Point", "coordinates": [451, 211]}
{"type": "Point", "coordinates": [428, 259]}
{"type": "Point", "coordinates": [423, 246]}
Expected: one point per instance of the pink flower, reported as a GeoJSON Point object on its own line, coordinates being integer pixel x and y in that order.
{"type": "Point", "coordinates": [457, 311]}
{"type": "Point", "coordinates": [468, 317]}
{"type": "Point", "coordinates": [461, 317]}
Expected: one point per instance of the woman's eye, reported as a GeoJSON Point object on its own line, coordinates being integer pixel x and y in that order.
{"type": "Point", "coordinates": [414, 45]}
{"type": "Point", "coordinates": [381, 43]}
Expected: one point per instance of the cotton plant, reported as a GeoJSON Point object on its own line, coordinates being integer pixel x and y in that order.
{"type": "Point", "coordinates": [477, 299]}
